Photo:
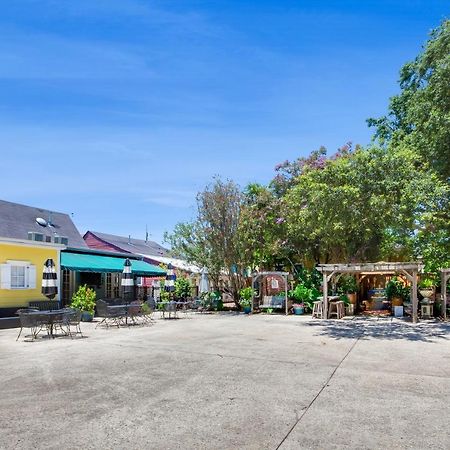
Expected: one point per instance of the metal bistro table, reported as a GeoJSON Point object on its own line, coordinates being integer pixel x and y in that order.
{"type": "Point", "coordinates": [52, 319]}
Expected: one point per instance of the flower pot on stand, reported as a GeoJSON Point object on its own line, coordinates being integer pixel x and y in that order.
{"type": "Point", "coordinates": [397, 301]}
{"type": "Point", "coordinates": [86, 316]}
{"type": "Point", "coordinates": [426, 293]}
{"type": "Point", "coordinates": [352, 298]}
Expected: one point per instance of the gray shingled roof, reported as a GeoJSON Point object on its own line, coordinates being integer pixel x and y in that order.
{"type": "Point", "coordinates": [17, 220]}
{"type": "Point", "coordinates": [132, 245]}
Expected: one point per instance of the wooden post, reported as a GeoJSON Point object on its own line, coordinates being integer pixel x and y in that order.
{"type": "Point", "coordinates": [325, 296]}
{"type": "Point", "coordinates": [253, 291]}
{"type": "Point", "coordinates": [286, 293]}
{"type": "Point", "coordinates": [414, 296]}
{"type": "Point", "coordinates": [444, 279]}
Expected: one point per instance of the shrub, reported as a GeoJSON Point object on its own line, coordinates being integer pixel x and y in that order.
{"type": "Point", "coordinates": [84, 299]}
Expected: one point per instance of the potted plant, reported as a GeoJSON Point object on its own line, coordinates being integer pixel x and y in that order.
{"type": "Point", "coordinates": [426, 288]}
{"type": "Point", "coordinates": [84, 300]}
{"type": "Point", "coordinates": [305, 295]}
{"type": "Point", "coordinates": [246, 295]}
{"type": "Point", "coordinates": [299, 308]}
{"type": "Point", "coordinates": [349, 286]}
{"type": "Point", "coordinates": [396, 292]}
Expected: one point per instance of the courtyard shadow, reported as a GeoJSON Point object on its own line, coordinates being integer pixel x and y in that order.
{"type": "Point", "coordinates": [382, 328]}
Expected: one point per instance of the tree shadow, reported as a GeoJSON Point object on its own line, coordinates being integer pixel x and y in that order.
{"type": "Point", "coordinates": [385, 328]}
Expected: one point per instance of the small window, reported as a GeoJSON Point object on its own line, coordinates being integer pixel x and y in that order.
{"type": "Point", "coordinates": [17, 277]}
{"type": "Point", "coordinates": [64, 240]}
{"type": "Point", "coordinates": [32, 236]}
{"type": "Point", "coordinates": [48, 239]}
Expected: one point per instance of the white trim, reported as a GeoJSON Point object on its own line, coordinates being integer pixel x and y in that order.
{"type": "Point", "coordinates": [28, 243]}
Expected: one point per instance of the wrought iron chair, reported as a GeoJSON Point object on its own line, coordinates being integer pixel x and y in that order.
{"type": "Point", "coordinates": [109, 314]}
{"type": "Point", "coordinates": [32, 321]}
{"type": "Point", "coordinates": [73, 319]}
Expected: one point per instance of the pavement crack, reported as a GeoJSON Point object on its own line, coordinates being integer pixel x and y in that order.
{"type": "Point", "coordinates": [326, 384]}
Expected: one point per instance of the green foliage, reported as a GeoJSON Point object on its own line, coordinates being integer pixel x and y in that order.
{"type": "Point", "coordinates": [84, 299]}
{"type": "Point", "coordinates": [245, 295]}
{"type": "Point", "coordinates": [396, 289]}
{"type": "Point", "coordinates": [420, 115]}
{"type": "Point", "coordinates": [348, 284]}
{"type": "Point", "coordinates": [427, 283]}
{"type": "Point", "coordinates": [183, 288]}
{"type": "Point", "coordinates": [303, 294]}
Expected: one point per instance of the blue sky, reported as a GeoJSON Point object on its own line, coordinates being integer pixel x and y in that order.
{"type": "Point", "coordinates": [119, 111]}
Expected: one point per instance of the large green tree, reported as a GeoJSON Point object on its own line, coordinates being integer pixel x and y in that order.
{"type": "Point", "coordinates": [371, 203]}
{"type": "Point", "coordinates": [419, 116]}
{"type": "Point", "coordinates": [213, 238]}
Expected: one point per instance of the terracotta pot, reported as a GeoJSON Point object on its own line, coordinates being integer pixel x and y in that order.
{"type": "Point", "coordinates": [397, 301]}
{"type": "Point", "coordinates": [352, 298]}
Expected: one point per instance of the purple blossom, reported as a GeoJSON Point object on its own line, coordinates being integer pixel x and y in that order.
{"type": "Point", "coordinates": [280, 220]}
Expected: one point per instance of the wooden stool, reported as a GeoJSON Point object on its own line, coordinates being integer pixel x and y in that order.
{"type": "Point", "coordinates": [337, 309]}
{"type": "Point", "coordinates": [318, 309]}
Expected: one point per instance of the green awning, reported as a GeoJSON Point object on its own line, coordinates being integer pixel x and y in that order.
{"type": "Point", "coordinates": [84, 262]}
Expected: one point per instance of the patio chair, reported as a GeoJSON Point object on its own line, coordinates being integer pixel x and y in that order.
{"type": "Point", "coordinates": [151, 308]}
{"type": "Point", "coordinates": [73, 319]}
{"type": "Point", "coordinates": [108, 314]}
{"type": "Point", "coordinates": [135, 312]}
{"type": "Point", "coordinates": [31, 321]}
{"type": "Point", "coordinates": [170, 308]}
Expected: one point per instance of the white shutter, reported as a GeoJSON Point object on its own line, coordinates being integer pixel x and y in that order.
{"type": "Point", "coordinates": [5, 276]}
{"type": "Point", "coordinates": [31, 275]}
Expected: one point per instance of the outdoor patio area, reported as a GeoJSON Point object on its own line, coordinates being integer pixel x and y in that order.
{"type": "Point", "coordinates": [230, 381]}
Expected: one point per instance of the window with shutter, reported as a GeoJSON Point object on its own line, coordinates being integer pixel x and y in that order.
{"type": "Point", "coordinates": [17, 275]}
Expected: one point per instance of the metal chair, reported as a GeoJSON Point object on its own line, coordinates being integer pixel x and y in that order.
{"type": "Point", "coordinates": [31, 321]}
{"type": "Point", "coordinates": [73, 319]}
{"type": "Point", "coordinates": [171, 308]}
{"type": "Point", "coordinates": [135, 311]}
{"type": "Point", "coordinates": [108, 314]}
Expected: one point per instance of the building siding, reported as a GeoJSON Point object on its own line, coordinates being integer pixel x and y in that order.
{"type": "Point", "coordinates": [11, 298]}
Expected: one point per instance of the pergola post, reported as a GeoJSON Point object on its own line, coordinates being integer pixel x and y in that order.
{"type": "Point", "coordinates": [253, 291]}
{"type": "Point", "coordinates": [325, 296]}
{"type": "Point", "coordinates": [414, 296]}
{"type": "Point", "coordinates": [444, 279]}
{"type": "Point", "coordinates": [286, 293]}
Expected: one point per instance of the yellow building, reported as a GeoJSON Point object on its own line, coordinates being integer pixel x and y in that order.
{"type": "Point", "coordinates": [21, 268]}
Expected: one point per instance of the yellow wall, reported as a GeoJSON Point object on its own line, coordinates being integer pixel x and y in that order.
{"type": "Point", "coordinates": [10, 298]}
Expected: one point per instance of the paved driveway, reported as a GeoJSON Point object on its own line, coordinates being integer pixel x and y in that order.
{"type": "Point", "coordinates": [230, 382]}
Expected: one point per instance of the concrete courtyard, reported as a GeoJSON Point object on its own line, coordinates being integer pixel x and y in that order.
{"type": "Point", "coordinates": [227, 381]}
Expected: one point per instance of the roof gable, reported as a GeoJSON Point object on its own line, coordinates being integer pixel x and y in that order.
{"type": "Point", "coordinates": [131, 245]}
{"type": "Point", "coordinates": [17, 220]}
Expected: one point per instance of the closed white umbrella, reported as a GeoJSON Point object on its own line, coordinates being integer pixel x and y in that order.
{"type": "Point", "coordinates": [204, 281]}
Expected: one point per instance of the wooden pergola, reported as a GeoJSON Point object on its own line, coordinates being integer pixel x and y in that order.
{"type": "Point", "coordinates": [445, 277]}
{"type": "Point", "coordinates": [410, 270]}
{"type": "Point", "coordinates": [285, 275]}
